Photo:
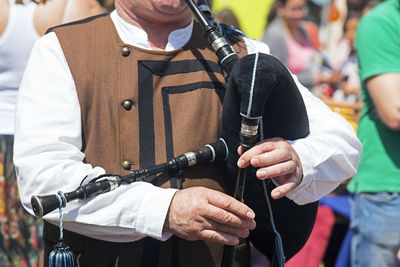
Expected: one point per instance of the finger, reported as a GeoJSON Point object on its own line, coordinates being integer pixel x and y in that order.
{"type": "Point", "coordinates": [219, 237]}
{"type": "Point", "coordinates": [282, 190]}
{"type": "Point", "coordinates": [224, 217]}
{"type": "Point", "coordinates": [239, 150]}
{"type": "Point", "coordinates": [265, 146]}
{"type": "Point", "coordinates": [271, 158]}
{"type": "Point", "coordinates": [229, 204]}
{"type": "Point", "coordinates": [279, 169]}
{"type": "Point", "coordinates": [239, 232]}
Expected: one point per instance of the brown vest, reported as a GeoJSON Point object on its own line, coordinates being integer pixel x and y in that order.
{"type": "Point", "coordinates": [140, 108]}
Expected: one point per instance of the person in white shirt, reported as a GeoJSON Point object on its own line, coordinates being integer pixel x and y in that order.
{"type": "Point", "coordinates": [21, 25]}
{"type": "Point", "coordinates": [52, 144]}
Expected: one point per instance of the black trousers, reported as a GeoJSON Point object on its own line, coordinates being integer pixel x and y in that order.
{"type": "Point", "coordinates": [92, 252]}
{"type": "Point", "coordinates": [147, 252]}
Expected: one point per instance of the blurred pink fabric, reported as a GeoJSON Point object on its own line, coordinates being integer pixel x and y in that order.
{"type": "Point", "coordinates": [312, 253]}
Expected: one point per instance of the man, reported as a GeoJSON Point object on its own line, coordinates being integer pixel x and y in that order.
{"type": "Point", "coordinates": [101, 96]}
{"type": "Point", "coordinates": [375, 216]}
{"type": "Point", "coordinates": [21, 24]}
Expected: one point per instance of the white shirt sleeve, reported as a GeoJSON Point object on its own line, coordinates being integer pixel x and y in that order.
{"type": "Point", "coordinates": [329, 154]}
{"type": "Point", "coordinates": [48, 137]}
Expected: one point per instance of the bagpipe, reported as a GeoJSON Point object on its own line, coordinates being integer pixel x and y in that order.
{"type": "Point", "coordinates": [261, 101]}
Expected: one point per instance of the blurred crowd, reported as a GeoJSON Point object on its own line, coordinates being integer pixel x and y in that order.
{"type": "Point", "coordinates": [314, 38]}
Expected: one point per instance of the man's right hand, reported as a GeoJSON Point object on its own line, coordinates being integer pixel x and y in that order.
{"type": "Point", "coordinates": [199, 213]}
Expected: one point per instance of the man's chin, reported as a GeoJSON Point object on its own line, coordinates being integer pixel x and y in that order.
{"type": "Point", "coordinates": [175, 11]}
{"type": "Point", "coordinates": [170, 5]}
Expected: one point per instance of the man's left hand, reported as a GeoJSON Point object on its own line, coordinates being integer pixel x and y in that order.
{"type": "Point", "coordinates": [277, 160]}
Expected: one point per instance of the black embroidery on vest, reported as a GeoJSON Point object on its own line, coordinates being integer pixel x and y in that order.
{"type": "Point", "coordinates": [146, 70]}
{"type": "Point", "coordinates": [166, 91]}
{"type": "Point", "coordinates": [82, 21]}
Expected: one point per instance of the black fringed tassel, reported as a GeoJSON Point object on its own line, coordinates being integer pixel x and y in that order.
{"type": "Point", "coordinates": [61, 256]}
{"type": "Point", "coordinates": [278, 257]}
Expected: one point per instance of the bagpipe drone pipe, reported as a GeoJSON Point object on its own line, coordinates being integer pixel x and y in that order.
{"type": "Point", "coordinates": [45, 204]}
{"type": "Point", "coordinates": [261, 101]}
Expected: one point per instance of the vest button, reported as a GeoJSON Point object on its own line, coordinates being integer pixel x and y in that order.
{"type": "Point", "coordinates": [126, 165]}
{"type": "Point", "coordinates": [127, 104]}
{"type": "Point", "coordinates": [125, 51]}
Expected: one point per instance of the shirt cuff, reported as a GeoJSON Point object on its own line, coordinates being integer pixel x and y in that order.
{"type": "Point", "coordinates": [299, 194]}
{"type": "Point", "coordinates": [153, 211]}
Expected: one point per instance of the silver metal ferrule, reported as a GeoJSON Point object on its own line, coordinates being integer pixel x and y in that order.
{"type": "Point", "coordinates": [63, 198]}
{"type": "Point", "coordinates": [39, 207]}
{"type": "Point", "coordinates": [191, 157]}
{"type": "Point", "coordinates": [228, 56]}
{"type": "Point", "coordinates": [112, 180]}
{"type": "Point", "coordinates": [217, 44]}
{"type": "Point", "coordinates": [212, 152]}
{"type": "Point", "coordinates": [249, 130]}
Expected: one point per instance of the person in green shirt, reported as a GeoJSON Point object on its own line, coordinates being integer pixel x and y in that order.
{"type": "Point", "coordinates": [376, 187]}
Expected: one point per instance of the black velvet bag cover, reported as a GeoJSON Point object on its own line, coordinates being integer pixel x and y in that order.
{"type": "Point", "coordinates": [276, 98]}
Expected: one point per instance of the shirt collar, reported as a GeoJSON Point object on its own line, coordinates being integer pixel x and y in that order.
{"type": "Point", "coordinates": [135, 36]}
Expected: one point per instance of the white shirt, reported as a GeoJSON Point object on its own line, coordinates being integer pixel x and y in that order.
{"type": "Point", "coordinates": [48, 155]}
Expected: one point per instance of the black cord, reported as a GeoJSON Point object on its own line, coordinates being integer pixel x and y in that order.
{"type": "Point", "coordinates": [278, 256]}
